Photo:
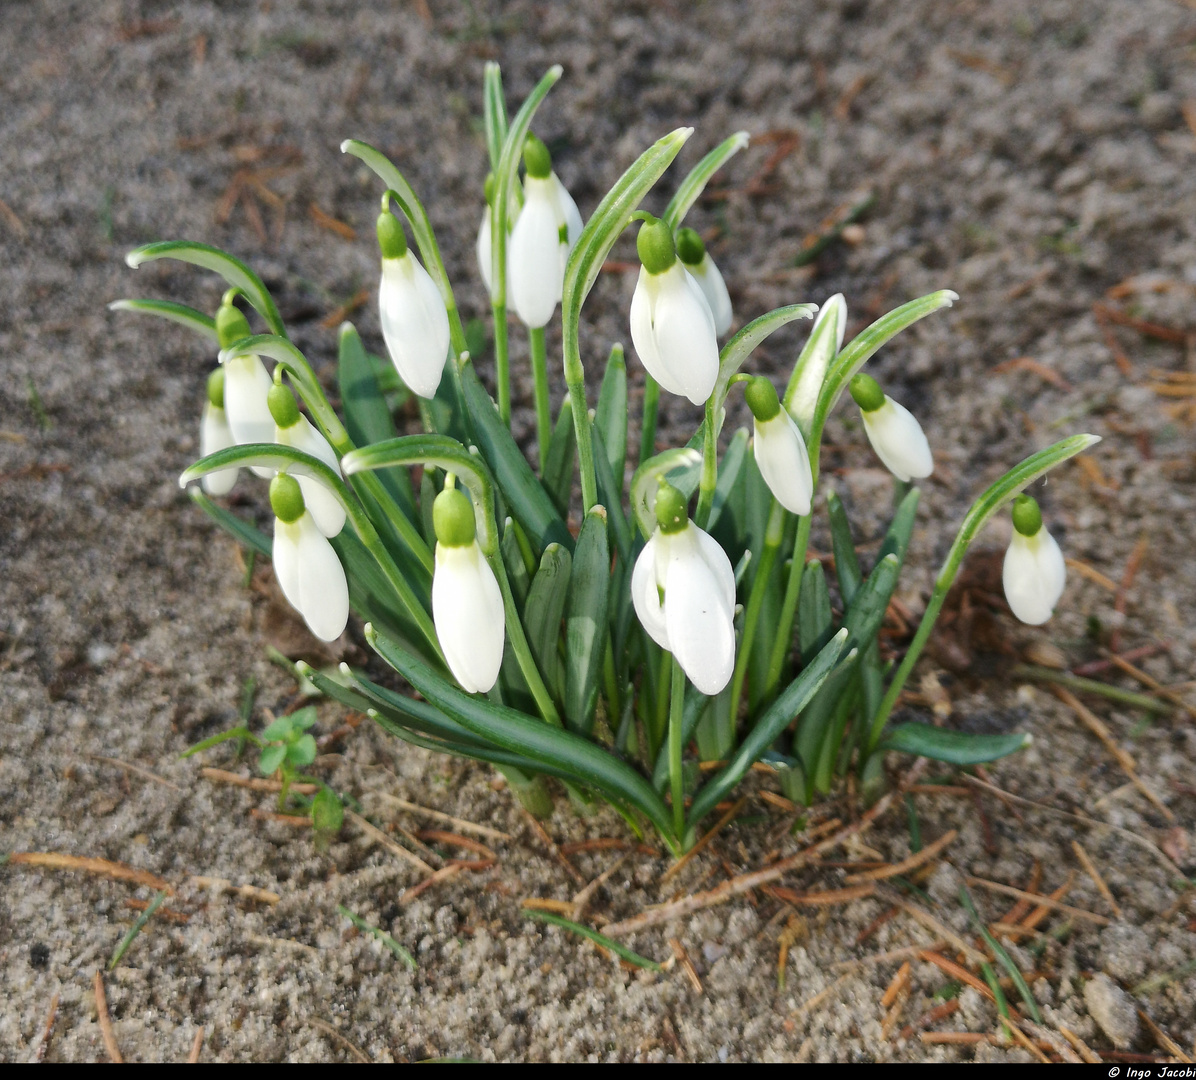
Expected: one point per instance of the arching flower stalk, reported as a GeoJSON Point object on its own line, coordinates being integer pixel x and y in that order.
{"type": "Point", "coordinates": [415, 323]}
{"type": "Point", "coordinates": [672, 326]}
{"type": "Point", "coordinates": [1034, 572]}
{"type": "Point", "coordinates": [894, 433]}
{"type": "Point", "coordinates": [307, 570]}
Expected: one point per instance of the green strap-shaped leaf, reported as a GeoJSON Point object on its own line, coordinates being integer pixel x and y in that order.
{"type": "Point", "coordinates": [734, 354]}
{"type": "Point", "coordinates": [202, 324]}
{"type": "Point", "coordinates": [248, 536]}
{"type": "Point", "coordinates": [552, 748]}
{"type": "Point", "coordinates": [611, 494]}
{"type": "Point", "coordinates": [367, 418]}
{"type": "Point", "coordinates": [543, 612]}
{"type": "Point", "coordinates": [512, 557]}
{"type": "Point", "coordinates": [779, 715]}
{"type": "Point", "coordinates": [847, 566]}
{"type": "Point", "coordinates": [954, 747]}
{"type": "Point", "coordinates": [699, 176]}
{"type": "Point", "coordinates": [814, 626]}
{"type": "Point", "coordinates": [585, 621]}
{"type": "Point", "coordinates": [610, 418]}
{"type": "Point", "coordinates": [901, 528]}
{"type": "Point", "coordinates": [561, 460]}
{"type": "Point", "coordinates": [527, 501]}
{"type": "Point", "coordinates": [730, 470]}
{"type": "Point", "coordinates": [235, 272]}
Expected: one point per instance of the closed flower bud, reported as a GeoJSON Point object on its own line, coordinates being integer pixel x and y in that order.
{"type": "Point", "coordinates": [696, 259]}
{"type": "Point", "coordinates": [895, 435]}
{"type": "Point", "coordinates": [415, 323]}
{"type": "Point", "coordinates": [827, 333]}
{"type": "Point", "coordinates": [780, 451]}
{"type": "Point", "coordinates": [1034, 572]}
{"type": "Point", "coordinates": [672, 326]}
{"type": "Point", "coordinates": [215, 434]}
{"type": "Point", "coordinates": [307, 569]}
{"type": "Point", "coordinates": [467, 607]}
{"type": "Point", "coordinates": [683, 589]}
{"type": "Point", "coordinates": [294, 429]}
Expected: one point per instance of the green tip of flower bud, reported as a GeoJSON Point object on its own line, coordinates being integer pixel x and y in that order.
{"type": "Point", "coordinates": [1027, 518]}
{"type": "Point", "coordinates": [536, 158]}
{"type": "Point", "coordinates": [391, 238]}
{"type": "Point", "coordinates": [690, 249]}
{"type": "Point", "coordinates": [231, 324]}
{"type": "Point", "coordinates": [452, 518]}
{"type": "Point", "coordinates": [867, 392]}
{"type": "Point", "coordinates": [655, 246]}
{"type": "Point", "coordinates": [282, 406]}
{"type": "Point", "coordinates": [216, 388]}
{"type": "Point", "coordinates": [491, 183]}
{"type": "Point", "coordinates": [761, 397]}
{"type": "Point", "coordinates": [671, 514]}
{"type": "Point", "coordinates": [286, 500]}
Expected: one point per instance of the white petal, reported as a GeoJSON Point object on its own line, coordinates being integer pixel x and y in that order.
{"type": "Point", "coordinates": [483, 248]}
{"type": "Point", "coordinates": [323, 506]}
{"type": "Point", "coordinates": [707, 275]}
{"type": "Point", "coordinates": [246, 385]}
{"type": "Point", "coordinates": [813, 372]}
{"type": "Point", "coordinates": [468, 613]}
{"type": "Point", "coordinates": [323, 589]}
{"type": "Point", "coordinates": [535, 271]}
{"type": "Point", "coordinates": [646, 597]}
{"type": "Point", "coordinates": [719, 564]}
{"type": "Point", "coordinates": [414, 324]}
{"type": "Point", "coordinates": [1033, 575]}
{"type": "Point", "coordinates": [697, 615]}
{"type": "Point", "coordinates": [215, 434]}
{"type": "Point", "coordinates": [899, 441]}
{"type": "Point", "coordinates": [568, 209]}
{"type": "Point", "coordinates": [285, 557]}
{"type": "Point", "coordinates": [784, 463]}
{"type": "Point", "coordinates": [684, 330]}
{"type": "Point", "coordinates": [643, 337]}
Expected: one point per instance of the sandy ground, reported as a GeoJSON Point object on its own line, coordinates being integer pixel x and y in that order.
{"type": "Point", "coordinates": [1031, 156]}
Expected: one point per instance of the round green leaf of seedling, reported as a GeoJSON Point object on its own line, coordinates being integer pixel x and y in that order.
{"type": "Point", "coordinates": [302, 719]}
{"type": "Point", "coordinates": [272, 758]}
{"type": "Point", "coordinates": [279, 729]}
{"type": "Point", "coordinates": [302, 751]}
{"type": "Point", "coordinates": [327, 813]}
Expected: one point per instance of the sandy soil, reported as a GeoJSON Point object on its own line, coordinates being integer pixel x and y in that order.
{"type": "Point", "coordinates": [1029, 155]}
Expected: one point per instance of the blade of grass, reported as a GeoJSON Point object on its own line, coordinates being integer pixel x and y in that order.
{"type": "Point", "coordinates": [381, 935]}
{"type": "Point", "coordinates": [599, 939]}
{"type": "Point", "coordinates": [136, 928]}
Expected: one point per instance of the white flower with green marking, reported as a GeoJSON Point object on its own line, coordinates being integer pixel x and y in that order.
{"type": "Point", "coordinates": [215, 434]}
{"type": "Point", "coordinates": [1034, 572]}
{"type": "Point", "coordinates": [894, 433]}
{"type": "Point", "coordinates": [294, 429]}
{"type": "Point", "coordinates": [781, 454]}
{"type": "Point", "coordinates": [697, 261]}
{"type": "Point", "coordinates": [683, 589]}
{"type": "Point", "coordinates": [246, 383]}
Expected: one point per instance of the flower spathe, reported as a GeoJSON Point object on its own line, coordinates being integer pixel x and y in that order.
{"type": "Point", "coordinates": [694, 620]}
{"type": "Point", "coordinates": [1034, 572]}
{"type": "Point", "coordinates": [415, 323]}
{"type": "Point", "coordinates": [672, 329]}
{"type": "Point", "coordinates": [306, 567]}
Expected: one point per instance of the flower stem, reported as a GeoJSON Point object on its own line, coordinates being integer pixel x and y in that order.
{"type": "Point", "coordinates": [676, 780]}
{"type": "Point", "coordinates": [648, 426]}
{"type": "Point", "coordinates": [783, 641]}
{"type": "Point", "coordinates": [772, 542]}
{"type": "Point", "coordinates": [709, 477]}
{"type": "Point", "coordinates": [539, 351]}
{"type": "Point", "coordinates": [502, 367]}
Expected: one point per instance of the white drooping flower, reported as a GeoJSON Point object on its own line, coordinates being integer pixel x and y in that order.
{"type": "Point", "coordinates": [696, 259]}
{"type": "Point", "coordinates": [483, 248]}
{"type": "Point", "coordinates": [246, 383]}
{"type": "Point", "coordinates": [780, 451]}
{"type": "Point", "coordinates": [467, 607]}
{"type": "Point", "coordinates": [215, 434]}
{"type": "Point", "coordinates": [683, 589]}
{"type": "Point", "coordinates": [294, 429]}
{"type": "Point", "coordinates": [543, 235]}
{"type": "Point", "coordinates": [826, 339]}
{"type": "Point", "coordinates": [672, 327]}
{"type": "Point", "coordinates": [306, 567]}
{"type": "Point", "coordinates": [894, 433]}
{"type": "Point", "coordinates": [1034, 572]}
{"type": "Point", "coordinates": [414, 320]}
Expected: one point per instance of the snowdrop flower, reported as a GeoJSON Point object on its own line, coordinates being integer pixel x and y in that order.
{"type": "Point", "coordinates": [246, 383]}
{"type": "Point", "coordinates": [1034, 573]}
{"type": "Point", "coordinates": [683, 589]}
{"type": "Point", "coordinates": [694, 257]}
{"type": "Point", "coordinates": [467, 605]}
{"type": "Point", "coordinates": [483, 248]}
{"type": "Point", "coordinates": [215, 434]}
{"type": "Point", "coordinates": [827, 338]}
{"type": "Point", "coordinates": [414, 320]}
{"type": "Point", "coordinates": [780, 450]}
{"type": "Point", "coordinates": [541, 239]}
{"type": "Point", "coordinates": [895, 435]}
{"type": "Point", "coordinates": [672, 326]}
{"type": "Point", "coordinates": [294, 429]}
{"type": "Point", "coordinates": [308, 572]}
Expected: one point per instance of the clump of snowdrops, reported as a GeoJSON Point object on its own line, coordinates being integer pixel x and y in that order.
{"type": "Point", "coordinates": [682, 624]}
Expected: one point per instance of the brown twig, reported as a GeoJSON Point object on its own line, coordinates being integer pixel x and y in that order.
{"type": "Point", "coordinates": [196, 1047]}
{"type": "Point", "coordinates": [456, 840]}
{"type": "Point", "coordinates": [932, 1016]}
{"type": "Point", "coordinates": [1151, 683]}
{"type": "Point", "coordinates": [1166, 1043]}
{"type": "Point", "coordinates": [44, 1042]}
{"type": "Point", "coordinates": [906, 865]}
{"type": "Point", "coordinates": [957, 971]}
{"type": "Point", "coordinates": [333, 225]}
{"type": "Point", "coordinates": [249, 892]}
{"type": "Point", "coordinates": [377, 835]}
{"type": "Point", "coordinates": [1093, 873]}
{"type": "Point", "coordinates": [555, 851]}
{"type": "Point", "coordinates": [1082, 1047]}
{"type": "Point", "coordinates": [104, 867]}
{"type": "Point", "coordinates": [136, 769]}
{"type": "Point", "coordinates": [1045, 1035]}
{"type": "Point", "coordinates": [339, 314]}
{"type": "Point", "coordinates": [105, 1023]}
{"type": "Point", "coordinates": [180, 917]}
{"type": "Point", "coordinates": [1042, 901]}
{"type": "Point", "coordinates": [328, 1029]}
{"type": "Point", "coordinates": [1127, 582]}
{"type": "Point", "coordinates": [1026, 363]}
{"type": "Point", "coordinates": [687, 966]}
{"type": "Point", "coordinates": [437, 815]}
{"type": "Point", "coordinates": [1043, 910]}
{"type": "Point", "coordinates": [583, 898]}
{"type": "Point", "coordinates": [819, 899]}
{"type": "Point", "coordinates": [894, 987]}
{"type": "Point", "coordinates": [816, 1000]}
{"type": "Point", "coordinates": [445, 874]}
{"type": "Point", "coordinates": [974, 956]}
{"type": "Point", "coordinates": [254, 783]}
{"type": "Point", "coordinates": [722, 822]}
